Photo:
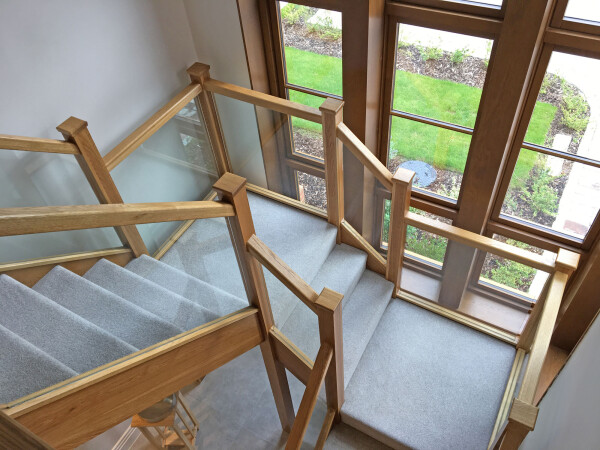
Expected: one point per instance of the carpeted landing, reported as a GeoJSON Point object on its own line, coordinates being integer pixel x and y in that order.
{"type": "Point", "coordinates": [412, 378]}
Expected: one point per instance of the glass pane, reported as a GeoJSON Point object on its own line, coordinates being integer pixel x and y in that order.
{"type": "Point", "coordinates": [312, 41]}
{"type": "Point", "coordinates": [308, 136]}
{"type": "Point", "coordinates": [583, 9]}
{"type": "Point", "coordinates": [510, 275]}
{"type": "Point", "coordinates": [175, 164]}
{"type": "Point", "coordinates": [554, 193]}
{"type": "Point", "coordinates": [484, 2]}
{"type": "Point", "coordinates": [564, 117]}
{"type": "Point", "coordinates": [39, 179]}
{"type": "Point", "coordinates": [440, 75]}
{"type": "Point", "coordinates": [430, 247]}
{"type": "Point", "coordinates": [311, 190]}
{"type": "Point", "coordinates": [438, 156]}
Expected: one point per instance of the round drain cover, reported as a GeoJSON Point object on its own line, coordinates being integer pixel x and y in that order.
{"type": "Point", "coordinates": [425, 174]}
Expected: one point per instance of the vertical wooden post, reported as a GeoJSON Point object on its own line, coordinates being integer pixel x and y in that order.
{"type": "Point", "coordinates": [401, 188]}
{"type": "Point", "coordinates": [332, 110]}
{"type": "Point", "coordinates": [331, 333]}
{"type": "Point", "coordinates": [15, 435]}
{"type": "Point", "coordinates": [232, 189]}
{"type": "Point", "coordinates": [75, 130]}
{"type": "Point", "coordinates": [199, 72]}
{"type": "Point", "coordinates": [521, 420]}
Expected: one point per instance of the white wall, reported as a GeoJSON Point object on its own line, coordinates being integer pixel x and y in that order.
{"type": "Point", "coordinates": [569, 416]}
{"type": "Point", "coordinates": [217, 35]}
{"type": "Point", "coordinates": [110, 62]}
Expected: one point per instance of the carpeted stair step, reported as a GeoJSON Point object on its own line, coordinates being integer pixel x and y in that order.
{"type": "Point", "coordinates": [197, 291]}
{"type": "Point", "coordinates": [341, 272]}
{"type": "Point", "coordinates": [128, 322]}
{"type": "Point", "coordinates": [62, 334]}
{"type": "Point", "coordinates": [427, 382]}
{"type": "Point", "coordinates": [24, 368]}
{"type": "Point", "coordinates": [173, 308]}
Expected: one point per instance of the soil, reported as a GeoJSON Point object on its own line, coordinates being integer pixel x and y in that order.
{"type": "Point", "coordinates": [300, 37]}
{"type": "Point", "coordinates": [308, 142]}
{"type": "Point", "coordinates": [312, 190]}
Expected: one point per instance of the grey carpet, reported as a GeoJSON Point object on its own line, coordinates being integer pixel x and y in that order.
{"type": "Point", "coordinates": [62, 334]}
{"type": "Point", "coordinates": [427, 382]}
{"type": "Point", "coordinates": [129, 322]}
{"type": "Point", "coordinates": [24, 368]}
{"type": "Point", "coordinates": [176, 310]}
{"type": "Point", "coordinates": [197, 291]}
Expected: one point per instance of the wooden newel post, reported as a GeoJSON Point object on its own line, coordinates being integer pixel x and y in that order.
{"type": "Point", "coordinates": [232, 189]}
{"type": "Point", "coordinates": [401, 189]}
{"type": "Point", "coordinates": [332, 111]}
{"type": "Point", "coordinates": [90, 160]}
{"type": "Point", "coordinates": [205, 103]}
{"type": "Point", "coordinates": [330, 330]}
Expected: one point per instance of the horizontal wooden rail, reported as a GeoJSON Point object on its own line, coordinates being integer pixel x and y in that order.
{"type": "Point", "coordinates": [480, 242]}
{"type": "Point", "coordinates": [282, 272]}
{"type": "Point", "coordinates": [264, 100]}
{"type": "Point", "coordinates": [18, 221]}
{"type": "Point", "coordinates": [309, 399]}
{"type": "Point", "coordinates": [294, 359]}
{"type": "Point", "coordinates": [37, 145]}
{"type": "Point", "coordinates": [364, 155]}
{"type": "Point", "coordinates": [62, 415]}
{"type": "Point", "coordinates": [113, 158]}
{"type": "Point", "coordinates": [541, 339]}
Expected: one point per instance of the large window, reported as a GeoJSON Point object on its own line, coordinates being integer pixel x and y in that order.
{"type": "Point", "coordinates": [555, 185]}
{"type": "Point", "coordinates": [438, 81]}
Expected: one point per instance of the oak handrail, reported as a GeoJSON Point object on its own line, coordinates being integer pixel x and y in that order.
{"type": "Point", "coordinates": [113, 158]}
{"type": "Point", "coordinates": [284, 273]}
{"type": "Point", "coordinates": [480, 242]}
{"type": "Point", "coordinates": [364, 155]}
{"type": "Point", "coordinates": [278, 104]}
{"type": "Point", "coordinates": [44, 219]}
{"type": "Point", "coordinates": [29, 144]}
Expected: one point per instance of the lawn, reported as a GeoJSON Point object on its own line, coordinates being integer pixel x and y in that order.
{"type": "Point", "coordinates": [418, 94]}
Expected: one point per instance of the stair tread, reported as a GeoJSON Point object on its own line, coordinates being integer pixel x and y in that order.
{"type": "Point", "coordinates": [25, 368]}
{"type": "Point", "coordinates": [171, 307]}
{"type": "Point", "coordinates": [214, 299]}
{"type": "Point", "coordinates": [427, 382]}
{"type": "Point", "coordinates": [128, 322]}
{"type": "Point", "coordinates": [55, 330]}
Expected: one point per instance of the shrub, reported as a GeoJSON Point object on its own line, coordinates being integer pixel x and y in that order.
{"type": "Point", "coordinates": [459, 55]}
{"type": "Point", "coordinates": [292, 14]}
{"type": "Point", "coordinates": [512, 274]}
{"type": "Point", "coordinates": [540, 196]}
{"type": "Point", "coordinates": [574, 110]}
{"type": "Point", "coordinates": [324, 28]}
{"type": "Point", "coordinates": [545, 84]}
{"type": "Point", "coordinates": [428, 53]}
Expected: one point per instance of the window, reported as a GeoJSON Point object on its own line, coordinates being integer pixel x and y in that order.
{"type": "Point", "coordinates": [438, 81]}
{"type": "Point", "coordinates": [583, 10]}
{"type": "Point", "coordinates": [555, 182]}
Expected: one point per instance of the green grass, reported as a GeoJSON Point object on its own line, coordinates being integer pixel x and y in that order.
{"type": "Point", "coordinates": [418, 94]}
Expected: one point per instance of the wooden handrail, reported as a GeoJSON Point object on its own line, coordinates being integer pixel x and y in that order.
{"type": "Point", "coordinates": [284, 273]}
{"type": "Point", "coordinates": [541, 338]}
{"type": "Point", "coordinates": [480, 242]}
{"type": "Point", "coordinates": [364, 155]}
{"type": "Point", "coordinates": [18, 221]}
{"type": "Point", "coordinates": [309, 399]}
{"type": "Point", "coordinates": [113, 158]}
{"type": "Point", "coordinates": [264, 100]}
{"type": "Point", "coordinates": [29, 144]}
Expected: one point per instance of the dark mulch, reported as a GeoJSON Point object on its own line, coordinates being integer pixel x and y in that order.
{"type": "Point", "coordinates": [300, 37]}
{"type": "Point", "coordinates": [308, 142]}
{"type": "Point", "coordinates": [312, 190]}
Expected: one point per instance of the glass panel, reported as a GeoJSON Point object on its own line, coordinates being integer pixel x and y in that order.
{"type": "Point", "coordinates": [440, 75]}
{"type": "Point", "coordinates": [419, 242]}
{"type": "Point", "coordinates": [311, 190]}
{"type": "Point", "coordinates": [511, 275]}
{"type": "Point", "coordinates": [583, 9]}
{"type": "Point", "coordinates": [175, 164]}
{"type": "Point", "coordinates": [39, 179]}
{"type": "Point", "coordinates": [438, 156]}
{"type": "Point", "coordinates": [312, 41]}
{"type": "Point", "coordinates": [564, 117]}
{"type": "Point", "coordinates": [554, 193]}
{"type": "Point", "coordinates": [308, 136]}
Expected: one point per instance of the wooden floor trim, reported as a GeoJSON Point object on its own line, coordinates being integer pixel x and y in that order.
{"type": "Point", "coordinates": [456, 316]}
